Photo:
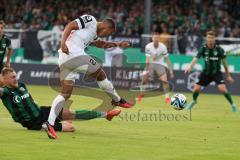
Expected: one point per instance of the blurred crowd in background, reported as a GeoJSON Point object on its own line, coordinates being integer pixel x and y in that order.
{"type": "Point", "coordinates": [173, 17]}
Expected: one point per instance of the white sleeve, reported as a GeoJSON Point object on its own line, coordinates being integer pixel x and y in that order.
{"type": "Point", "coordinates": [164, 51]}
{"type": "Point", "coordinates": [86, 21]}
{"type": "Point", "coordinates": [148, 50]}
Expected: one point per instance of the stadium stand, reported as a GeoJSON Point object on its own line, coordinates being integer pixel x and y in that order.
{"type": "Point", "coordinates": [177, 16]}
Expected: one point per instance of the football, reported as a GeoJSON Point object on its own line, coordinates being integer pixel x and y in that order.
{"type": "Point", "coordinates": [178, 101]}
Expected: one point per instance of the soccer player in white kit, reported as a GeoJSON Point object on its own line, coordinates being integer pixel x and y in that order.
{"type": "Point", "coordinates": [156, 56]}
{"type": "Point", "coordinates": [77, 35]}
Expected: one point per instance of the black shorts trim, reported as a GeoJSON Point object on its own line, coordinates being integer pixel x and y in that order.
{"type": "Point", "coordinates": [205, 80]}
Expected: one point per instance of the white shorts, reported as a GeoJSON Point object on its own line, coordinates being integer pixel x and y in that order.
{"type": "Point", "coordinates": [70, 65]}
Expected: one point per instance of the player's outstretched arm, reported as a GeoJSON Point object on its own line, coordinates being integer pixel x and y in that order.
{"type": "Point", "coordinates": [73, 25]}
{"type": "Point", "coordinates": [106, 44]}
{"type": "Point", "coordinates": [191, 65]}
{"type": "Point", "coordinates": [124, 44]}
{"type": "Point", "coordinates": [228, 75]}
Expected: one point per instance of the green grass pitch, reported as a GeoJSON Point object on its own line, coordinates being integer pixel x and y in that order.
{"type": "Point", "coordinates": [212, 133]}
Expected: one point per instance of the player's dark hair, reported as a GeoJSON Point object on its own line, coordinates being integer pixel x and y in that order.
{"type": "Point", "coordinates": [6, 70]}
{"type": "Point", "coordinates": [111, 22]}
{"type": "Point", "coordinates": [210, 33]}
{"type": "Point", "coordinates": [2, 22]}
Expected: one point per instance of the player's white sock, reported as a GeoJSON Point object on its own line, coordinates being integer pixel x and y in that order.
{"type": "Point", "coordinates": [142, 88]}
{"type": "Point", "coordinates": [166, 95]}
{"type": "Point", "coordinates": [57, 106]}
{"type": "Point", "coordinates": [107, 86]}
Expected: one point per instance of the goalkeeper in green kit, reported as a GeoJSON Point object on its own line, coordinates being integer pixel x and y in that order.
{"type": "Point", "coordinates": [213, 56]}
{"type": "Point", "coordinates": [29, 114]}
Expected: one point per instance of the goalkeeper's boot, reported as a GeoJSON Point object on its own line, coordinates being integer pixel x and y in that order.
{"type": "Point", "coordinates": [49, 130]}
{"type": "Point", "coordinates": [190, 105]}
{"type": "Point", "coordinates": [234, 108]}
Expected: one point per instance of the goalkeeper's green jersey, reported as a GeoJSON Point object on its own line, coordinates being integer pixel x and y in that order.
{"type": "Point", "coordinates": [20, 104]}
{"type": "Point", "coordinates": [212, 59]}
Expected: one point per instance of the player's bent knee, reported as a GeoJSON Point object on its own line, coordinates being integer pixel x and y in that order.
{"type": "Point", "coordinates": [67, 88]}
{"type": "Point", "coordinates": [101, 75]}
{"type": "Point", "coordinates": [222, 88]}
{"type": "Point", "coordinates": [197, 88]}
{"type": "Point", "coordinates": [163, 77]}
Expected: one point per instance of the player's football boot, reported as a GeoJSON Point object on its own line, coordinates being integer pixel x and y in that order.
{"type": "Point", "coordinates": [112, 113]}
{"type": "Point", "coordinates": [49, 130]}
{"type": "Point", "coordinates": [234, 108]}
{"type": "Point", "coordinates": [190, 105]}
{"type": "Point", "coordinates": [139, 98]}
{"type": "Point", "coordinates": [122, 103]}
{"type": "Point", "coordinates": [167, 100]}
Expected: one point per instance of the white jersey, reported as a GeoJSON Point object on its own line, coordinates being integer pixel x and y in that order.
{"type": "Point", "coordinates": [158, 54]}
{"type": "Point", "coordinates": [79, 39]}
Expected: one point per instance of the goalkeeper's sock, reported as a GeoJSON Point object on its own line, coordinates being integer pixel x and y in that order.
{"type": "Point", "coordinates": [228, 97]}
{"type": "Point", "coordinates": [87, 115]}
{"type": "Point", "coordinates": [195, 96]}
